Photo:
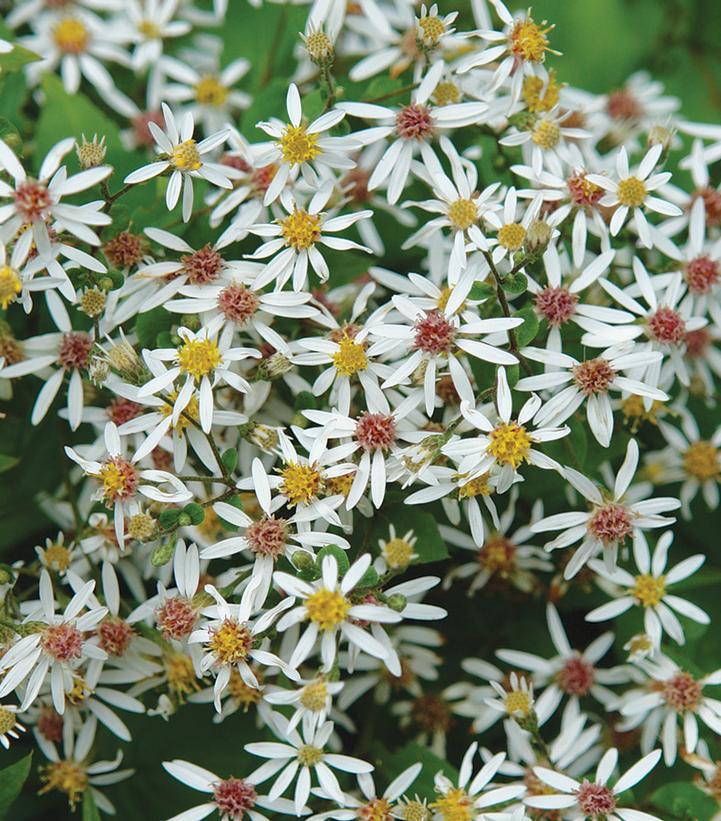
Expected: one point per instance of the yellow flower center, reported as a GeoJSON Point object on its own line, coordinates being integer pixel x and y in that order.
{"type": "Point", "coordinates": [113, 478]}
{"type": "Point", "coordinates": [398, 553]}
{"type": "Point", "coordinates": [476, 487]}
{"type": "Point", "coordinates": [327, 608]}
{"type": "Point", "coordinates": [210, 91]}
{"type": "Point", "coordinates": [511, 236]}
{"type": "Point", "coordinates": [498, 555]}
{"type": "Point", "coordinates": [141, 526]}
{"type": "Point", "coordinates": [57, 557]}
{"type": "Point", "coordinates": [509, 444]}
{"type": "Point", "coordinates": [546, 134]}
{"type": "Point", "coordinates": [149, 29]}
{"type": "Point", "coordinates": [339, 485]}
{"type": "Point", "coordinates": [66, 776]}
{"type": "Point", "coordinates": [308, 755]}
{"type": "Point", "coordinates": [635, 411]}
{"type": "Point", "coordinates": [415, 811]}
{"type": "Point", "coordinates": [71, 35]}
{"type": "Point", "coordinates": [640, 644]}
{"type": "Point", "coordinates": [462, 214]}
{"type": "Point", "coordinates": [430, 30]}
{"type": "Point", "coordinates": [313, 696]}
{"type": "Point", "coordinates": [186, 157]}
{"type": "Point", "coordinates": [231, 642]}
{"type": "Point", "coordinates": [301, 483]}
{"type": "Point", "coordinates": [377, 809]}
{"type": "Point", "coordinates": [10, 286]}
{"type": "Point", "coordinates": [537, 98]}
{"type": "Point", "coordinates": [446, 93]}
{"type": "Point", "coordinates": [199, 357]}
{"type": "Point", "coordinates": [455, 805]}
{"type": "Point", "coordinates": [631, 192]}
{"type": "Point", "coordinates": [318, 45]}
{"type": "Point", "coordinates": [8, 720]}
{"type": "Point", "coordinates": [518, 702]}
{"type": "Point", "coordinates": [528, 40]}
{"type": "Point", "coordinates": [241, 693]}
{"type": "Point", "coordinates": [701, 461]}
{"type": "Point", "coordinates": [298, 146]}
{"type": "Point", "coordinates": [79, 691]}
{"type": "Point", "coordinates": [300, 229]}
{"type": "Point", "coordinates": [350, 358]}
{"type": "Point", "coordinates": [192, 410]}
{"type": "Point", "coordinates": [649, 590]}
{"type": "Point", "coordinates": [181, 674]}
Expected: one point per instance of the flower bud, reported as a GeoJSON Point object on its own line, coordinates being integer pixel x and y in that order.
{"type": "Point", "coordinates": [537, 237]}
{"type": "Point", "coordinates": [397, 602]}
{"type": "Point", "coordinates": [162, 554]}
{"type": "Point", "coordinates": [320, 48]}
{"type": "Point", "coordinates": [91, 154]}
{"type": "Point", "coordinates": [302, 560]}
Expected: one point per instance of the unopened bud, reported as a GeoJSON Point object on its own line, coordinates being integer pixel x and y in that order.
{"type": "Point", "coordinates": [660, 135]}
{"type": "Point", "coordinates": [92, 302]}
{"type": "Point", "coordinates": [98, 370]}
{"type": "Point", "coordinates": [397, 602]}
{"type": "Point", "coordinates": [162, 554]}
{"type": "Point", "coordinates": [190, 321]}
{"type": "Point", "coordinates": [91, 154]}
{"type": "Point", "coordinates": [537, 237]}
{"type": "Point", "coordinates": [320, 48]}
{"type": "Point", "coordinates": [141, 526]}
{"type": "Point", "coordinates": [302, 560]}
{"type": "Point", "coordinates": [265, 437]}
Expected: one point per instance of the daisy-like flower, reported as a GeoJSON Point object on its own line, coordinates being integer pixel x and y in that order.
{"type": "Point", "coordinates": [182, 157]}
{"type": "Point", "coordinates": [75, 772]}
{"type": "Point", "coordinates": [230, 638]}
{"type": "Point", "coordinates": [17, 282]}
{"type": "Point", "coordinates": [505, 446]}
{"type": "Point", "coordinates": [297, 757]}
{"type": "Point", "coordinates": [570, 674]}
{"type": "Point", "coordinates": [511, 233]}
{"type": "Point", "coordinates": [232, 798]}
{"type": "Point", "coordinates": [649, 589]}
{"type": "Point", "coordinates": [311, 701]}
{"type": "Point", "coordinates": [433, 340]}
{"type": "Point", "coordinates": [147, 24]}
{"type": "Point", "coordinates": [594, 799]}
{"type": "Point", "coordinates": [589, 381]}
{"type": "Point", "coordinates": [613, 517]}
{"type": "Point", "coordinates": [209, 96]}
{"type": "Point", "coordinates": [302, 149]}
{"type": "Point", "coordinates": [410, 129]}
{"type": "Point", "coordinates": [473, 796]}
{"type": "Point", "coordinates": [10, 727]}
{"type": "Point", "coordinates": [693, 461]}
{"type": "Point", "coordinates": [202, 364]}
{"type": "Point", "coordinates": [330, 610]}
{"type": "Point", "coordinates": [57, 644]}
{"type": "Point", "coordinates": [671, 695]}
{"type": "Point", "coordinates": [37, 202]}
{"type": "Point", "coordinates": [120, 480]}
{"type": "Point", "coordinates": [632, 192]}
{"type": "Point", "coordinates": [294, 239]}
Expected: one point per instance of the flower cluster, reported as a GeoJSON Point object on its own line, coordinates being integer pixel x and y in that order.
{"type": "Point", "coordinates": [304, 356]}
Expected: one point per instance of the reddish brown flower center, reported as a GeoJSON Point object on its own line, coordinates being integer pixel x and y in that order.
{"type": "Point", "coordinates": [234, 797]}
{"type": "Point", "coordinates": [124, 250]}
{"type": "Point", "coordinates": [375, 431]}
{"type": "Point", "coordinates": [140, 127]}
{"type": "Point", "coordinates": [123, 410]}
{"type": "Point", "coordinates": [119, 479]}
{"type": "Point", "coordinates": [697, 343]}
{"type": "Point", "coordinates": [431, 714]}
{"type": "Point", "coordinates": [610, 523]}
{"type": "Point", "coordinates": [595, 800]}
{"type": "Point", "coordinates": [556, 305]}
{"type": "Point", "coordinates": [32, 200]}
{"type": "Point", "coordinates": [712, 201]}
{"type": "Point", "coordinates": [622, 105]}
{"type": "Point", "coordinates": [74, 349]}
{"type": "Point", "coordinates": [666, 325]}
{"type": "Point", "coordinates": [267, 537]}
{"type": "Point", "coordinates": [63, 642]}
{"type": "Point", "coordinates": [414, 122]}
{"type": "Point", "coordinates": [701, 274]}
{"type": "Point", "coordinates": [176, 617]}
{"type": "Point", "coordinates": [115, 635]}
{"type": "Point", "coordinates": [355, 183]}
{"type": "Point", "coordinates": [263, 177]}
{"type": "Point", "coordinates": [593, 376]}
{"type": "Point", "coordinates": [682, 692]}
{"type": "Point", "coordinates": [50, 725]}
{"type": "Point", "coordinates": [203, 265]}
{"type": "Point", "coordinates": [576, 677]}
{"type": "Point", "coordinates": [237, 303]}
{"type": "Point", "coordinates": [233, 161]}
{"type": "Point", "coordinates": [583, 193]}
{"type": "Point", "coordinates": [434, 334]}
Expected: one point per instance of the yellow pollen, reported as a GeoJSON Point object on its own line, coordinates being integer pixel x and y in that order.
{"type": "Point", "coordinates": [181, 674]}
{"type": "Point", "coordinates": [538, 96]}
{"type": "Point", "coordinates": [10, 286]}
{"type": "Point", "coordinates": [192, 410]}
{"type": "Point", "coordinates": [245, 696]}
{"type": "Point", "coordinates": [301, 483]}
{"type": "Point", "coordinates": [313, 696]}
{"type": "Point", "coordinates": [71, 35]}
{"type": "Point", "coordinates": [509, 444]}
{"type": "Point", "coordinates": [518, 701]}
{"type": "Point", "coordinates": [8, 720]}
{"type": "Point", "coordinates": [528, 40]}
{"type": "Point", "coordinates": [339, 485]}
{"type": "Point", "coordinates": [231, 642]}
{"type": "Point", "coordinates": [640, 644]}
{"type": "Point", "coordinates": [186, 157]}
{"type": "Point", "coordinates": [210, 91]}
{"type": "Point", "coordinates": [649, 590]}
{"type": "Point", "coordinates": [327, 608]}
{"type": "Point", "coordinates": [476, 487]}
{"type": "Point", "coordinates": [462, 214]}
{"type": "Point", "coordinates": [149, 29]}
{"type": "Point", "coordinates": [631, 192]}
{"type": "Point", "coordinates": [455, 805]}
{"type": "Point", "coordinates": [430, 30]}
{"type": "Point", "coordinates": [415, 811]}
{"type": "Point", "coordinates": [318, 45]}
{"type": "Point", "coordinates": [377, 809]}
{"type": "Point", "coordinates": [80, 690]}
{"type": "Point", "coordinates": [298, 146]}
{"type": "Point", "coordinates": [351, 358]}
{"type": "Point", "coordinates": [546, 134]}
{"type": "Point", "coordinates": [511, 236]}
{"type": "Point", "coordinates": [199, 357]}
{"type": "Point", "coordinates": [300, 229]}
{"type": "Point", "coordinates": [113, 479]}
{"type": "Point", "coordinates": [92, 302]}
{"type": "Point", "coordinates": [309, 756]}
{"type": "Point", "coordinates": [498, 555]}
{"type": "Point", "coordinates": [141, 526]}
{"type": "Point", "coordinates": [701, 461]}
{"type": "Point", "coordinates": [398, 553]}
{"type": "Point", "coordinates": [446, 93]}
{"type": "Point", "coordinates": [634, 410]}
{"type": "Point", "coordinates": [57, 557]}
{"type": "Point", "coordinates": [66, 776]}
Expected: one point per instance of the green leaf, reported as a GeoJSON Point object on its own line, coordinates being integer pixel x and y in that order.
{"type": "Point", "coordinates": [90, 808]}
{"type": "Point", "coordinates": [685, 801]}
{"type": "Point", "coordinates": [526, 333]}
{"type": "Point", "coordinates": [12, 779]}
{"type": "Point", "coordinates": [169, 518]}
{"type": "Point", "coordinates": [17, 58]}
{"type": "Point", "coordinates": [229, 458]}
{"type": "Point", "coordinates": [337, 553]}
{"type": "Point", "coordinates": [195, 512]}
{"type": "Point", "coordinates": [313, 104]}
{"type": "Point", "coordinates": [150, 324]}
{"type": "Point", "coordinates": [8, 462]}
{"type": "Point", "coordinates": [430, 546]}
{"type": "Point", "coordinates": [393, 764]}
{"type": "Point", "coordinates": [369, 578]}
{"type": "Point", "coordinates": [515, 283]}
{"type": "Point", "coordinates": [481, 290]}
